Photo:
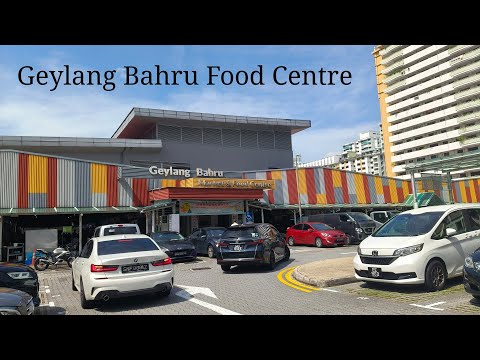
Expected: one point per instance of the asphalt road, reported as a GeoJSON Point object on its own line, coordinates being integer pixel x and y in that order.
{"type": "Point", "coordinates": [201, 287]}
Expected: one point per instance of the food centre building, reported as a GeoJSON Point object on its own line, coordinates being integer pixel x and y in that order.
{"type": "Point", "coordinates": [168, 170]}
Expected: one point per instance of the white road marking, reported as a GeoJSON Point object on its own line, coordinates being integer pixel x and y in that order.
{"type": "Point", "coordinates": [348, 253]}
{"type": "Point", "coordinates": [331, 290]}
{"type": "Point", "coordinates": [189, 291]}
{"type": "Point", "coordinates": [46, 286]}
{"type": "Point", "coordinates": [55, 296]}
{"type": "Point", "coordinates": [431, 306]}
{"type": "Point", "coordinates": [298, 251]}
{"type": "Point", "coordinates": [362, 298]}
{"type": "Point", "coordinates": [47, 291]}
{"type": "Point", "coordinates": [51, 303]}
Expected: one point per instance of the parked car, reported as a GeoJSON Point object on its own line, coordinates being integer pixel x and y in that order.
{"type": "Point", "coordinates": [206, 240]}
{"type": "Point", "coordinates": [420, 246]}
{"type": "Point", "coordinates": [175, 245]}
{"type": "Point", "coordinates": [315, 233]}
{"type": "Point", "coordinates": [251, 244]}
{"type": "Point", "coordinates": [20, 277]}
{"type": "Point", "coordinates": [384, 216]}
{"type": "Point", "coordinates": [116, 229]}
{"type": "Point", "coordinates": [471, 274]}
{"type": "Point", "coordinates": [15, 302]}
{"type": "Point", "coordinates": [121, 265]}
{"type": "Point", "coordinates": [356, 225]}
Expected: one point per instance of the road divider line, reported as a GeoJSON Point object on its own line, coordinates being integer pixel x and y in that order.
{"type": "Point", "coordinates": [348, 253]}
{"type": "Point", "coordinates": [291, 280]}
{"type": "Point", "coordinates": [283, 281]}
{"type": "Point", "coordinates": [331, 290]}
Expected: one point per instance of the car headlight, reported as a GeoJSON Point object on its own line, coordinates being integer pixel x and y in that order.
{"type": "Point", "coordinates": [408, 250]}
{"type": "Point", "coordinates": [9, 311]}
{"type": "Point", "coordinates": [325, 234]}
{"type": "Point", "coordinates": [469, 262]}
{"type": "Point", "coordinates": [358, 230]}
{"type": "Point", "coordinates": [20, 275]}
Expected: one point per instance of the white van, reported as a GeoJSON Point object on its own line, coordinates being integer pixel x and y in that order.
{"type": "Point", "coordinates": [420, 246]}
{"type": "Point", "coordinates": [116, 229]}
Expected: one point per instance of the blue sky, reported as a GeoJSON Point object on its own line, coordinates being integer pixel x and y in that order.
{"type": "Point", "coordinates": [338, 113]}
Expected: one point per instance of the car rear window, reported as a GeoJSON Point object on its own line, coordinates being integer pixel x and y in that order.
{"type": "Point", "coordinates": [125, 246]}
{"type": "Point", "coordinates": [120, 230]}
{"type": "Point", "coordinates": [248, 233]}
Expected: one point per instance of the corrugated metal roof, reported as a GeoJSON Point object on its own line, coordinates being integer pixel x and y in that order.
{"type": "Point", "coordinates": [67, 210]}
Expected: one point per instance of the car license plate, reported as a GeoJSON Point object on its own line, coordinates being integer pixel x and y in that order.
{"type": "Point", "coordinates": [237, 247]}
{"type": "Point", "coordinates": [180, 253]}
{"type": "Point", "coordinates": [134, 268]}
{"type": "Point", "coordinates": [375, 272]}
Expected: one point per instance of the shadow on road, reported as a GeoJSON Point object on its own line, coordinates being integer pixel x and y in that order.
{"type": "Point", "coordinates": [50, 310]}
{"type": "Point", "coordinates": [139, 302]}
{"type": "Point", "coordinates": [410, 289]}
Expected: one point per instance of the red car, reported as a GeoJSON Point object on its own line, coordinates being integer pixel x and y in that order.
{"type": "Point", "coordinates": [315, 233]}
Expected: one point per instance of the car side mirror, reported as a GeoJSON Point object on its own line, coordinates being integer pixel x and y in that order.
{"type": "Point", "coordinates": [288, 228]}
{"type": "Point", "coordinates": [203, 236]}
{"type": "Point", "coordinates": [310, 230]}
{"type": "Point", "coordinates": [450, 232]}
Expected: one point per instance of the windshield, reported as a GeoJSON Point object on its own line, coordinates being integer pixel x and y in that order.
{"type": "Point", "coordinates": [167, 237]}
{"type": "Point", "coordinates": [120, 230]}
{"type": "Point", "coordinates": [392, 214]}
{"type": "Point", "coordinates": [215, 232]}
{"type": "Point", "coordinates": [321, 227]}
{"type": "Point", "coordinates": [125, 246]}
{"type": "Point", "coordinates": [409, 224]}
{"type": "Point", "coordinates": [360, 216]}
{"type": "Point", "coordinates": [249, 232]}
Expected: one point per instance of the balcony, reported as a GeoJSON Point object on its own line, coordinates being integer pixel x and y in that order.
{"type": "Point", "coordinates": [469, 129]}
{"type": "Point", "coordinates": [475, 140]}
{"type": "Point", "coordinates": [468, 117]}
{"type": "Point", "coordinates": [468, 105]}
{"type": "Point", "coordinates": [391, 58]}
{"type": "Point", "coordinates": [467, 80]}
{"type": "Point", "coordinates": [464, 57]}
{"type": "Point", "coordinates": [457, 48]}
{"type": "Point", "coordinates": [464, 69]}
{"type": "Point", "coordinates": [389, 89]}
{"type": "Point", "coordinates": [392, 67]}
{"type": "Point", "coordinates": [390, 49]}
{"type": "Point", "coordinates": [466, 93]}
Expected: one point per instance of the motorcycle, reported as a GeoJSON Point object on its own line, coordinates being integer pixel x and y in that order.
{"type": "Point", "coordinates": [56, 257]}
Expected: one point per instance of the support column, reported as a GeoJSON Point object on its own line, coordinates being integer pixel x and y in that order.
{"type": "Point", "coordinates": [263, 219]}
{"type": "Point", "coordinates": [1, 236]}
{"type": "Point", "coordinates": [414, 190]}
{"type": "Point", "coordinates": [449, 187]}
{"type": "Point", "coordinates": [153, 221]}
{"type": "Point", "coordinates": [80, 232]}
{"type": "Point", "coordinates": [295, 217]}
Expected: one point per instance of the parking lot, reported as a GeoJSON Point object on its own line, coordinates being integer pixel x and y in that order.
{"type": "Point", "coordinates": [201, 287]}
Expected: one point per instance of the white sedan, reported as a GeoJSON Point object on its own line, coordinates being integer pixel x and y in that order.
{"type": "Point", "coordinates": [121, 265]}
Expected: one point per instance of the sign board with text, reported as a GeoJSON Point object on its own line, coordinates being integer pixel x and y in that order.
{"type": "Point", "coordinates": [233, 183]}
{"type": "Point", "coordinates": [195, 207]}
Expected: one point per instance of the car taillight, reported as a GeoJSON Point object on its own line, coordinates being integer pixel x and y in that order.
{"type": "Point", "coordinates": [222, 244]}
{"type": "Point", "coordinates": [103, 268]}
{"type": "Point", "coordinates": [162, 262]}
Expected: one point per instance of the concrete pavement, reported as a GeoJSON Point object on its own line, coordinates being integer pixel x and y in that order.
{"type": "Point", "coordinates": [325, 273]}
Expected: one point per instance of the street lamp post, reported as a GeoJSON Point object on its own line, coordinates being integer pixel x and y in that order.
{"type": "Point", "coordinates": [298, 188]}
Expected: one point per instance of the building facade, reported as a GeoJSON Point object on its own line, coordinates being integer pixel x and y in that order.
{"type": "Point", "coordinates": [429, 102]}
{"type": "Point", "coordinates": [364, 155]}
{"type": "Point", "coordinates": [329, 161]}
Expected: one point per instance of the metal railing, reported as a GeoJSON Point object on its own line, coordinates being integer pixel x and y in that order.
{"type": "Point", "coordinates": [467, 117]}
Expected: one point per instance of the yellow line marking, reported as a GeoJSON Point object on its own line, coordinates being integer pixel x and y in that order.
{"type": "Point", "coordinates": [290, 279]}
{"type": "Point", "coordinates": [280, 278]}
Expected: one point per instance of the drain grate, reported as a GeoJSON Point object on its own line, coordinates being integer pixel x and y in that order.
{"type": "Point", "coordinates": [202, 268]}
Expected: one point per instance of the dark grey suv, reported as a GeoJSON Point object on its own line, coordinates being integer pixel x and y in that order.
{"type": "Point", "coordinates": [251, 244]}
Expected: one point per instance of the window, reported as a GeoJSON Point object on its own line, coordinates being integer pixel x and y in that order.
{"type": "Point", "coordinates": [298, 227]}
{"type": "Point", "coordinates": [122, 246]}
{"type": "Point", "coordinates": [343, 217]}
{"type": "Point", "coordinates": [97, 232]}
{"type": "Point", "coordinates": [473, 216]}
{"type": "Point", "coordinates": [453, 221]}
{"type": "Point", "coordinates": [380, 217]}
{"type": "Point", "coordinates": [87, 250]}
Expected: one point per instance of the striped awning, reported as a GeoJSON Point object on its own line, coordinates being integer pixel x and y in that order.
{"type": "Point", "coordinates": [68, 210]}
